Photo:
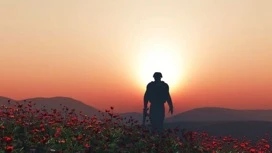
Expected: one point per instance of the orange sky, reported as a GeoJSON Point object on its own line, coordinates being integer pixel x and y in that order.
{"type": "Point", "coordinates": [91, 51]}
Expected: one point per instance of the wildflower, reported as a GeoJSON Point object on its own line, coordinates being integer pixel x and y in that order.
{"type": "Point", "coordinates": [74, 119]}
{"type": "Point", "coordinates": [79, 137]}
{"type": "Point", "coordinates": [9, 148]}
{"type": "Point", "coordinates": [51, 122]}
{"type": "Point", "coordinates": [43, 129]}
{"type": "Point", "coordinates": [242, 145]}
{"type": "Point", "coordinates": [89, 126]}
{"type": "Point", "coordinates": [57, 134]}
{"type": "Point", "coordinates": [44, 140]}
{"type": "Point", "coordinates": [267, 146]}
{"type": "Point", "coordinates": [7, 139]}
{"type": "Point", "coordinates": [252, 150]}
{"type": "Point", "coordinates": [87, 145]}
{"type": "Point", "coordinates": [62, 141]}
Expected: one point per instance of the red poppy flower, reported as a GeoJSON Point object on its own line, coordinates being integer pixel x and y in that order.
{"type": "Point", "coordinates": [87, 145]}
{"type": "Point", "coordinates": [252, 150]}
{"type": "Point", "coordinates": [9, 148]}
{"type": "Point", "coordinates": [79, 137]}
{"type": "Point", "coordinates": [7, 139]}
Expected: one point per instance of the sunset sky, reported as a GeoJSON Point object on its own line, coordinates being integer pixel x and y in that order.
{"type": "Point", "coordinates": [104, 52]}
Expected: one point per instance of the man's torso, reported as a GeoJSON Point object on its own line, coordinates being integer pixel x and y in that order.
{"type": "Point", "coordinates": [157, 92]}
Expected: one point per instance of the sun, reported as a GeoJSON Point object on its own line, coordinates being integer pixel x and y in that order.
{"type": "Point", "coordinates": [159, 57]}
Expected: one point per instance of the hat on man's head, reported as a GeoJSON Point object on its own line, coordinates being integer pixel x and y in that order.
{"type": "Point", "coordinates": [157, 74]}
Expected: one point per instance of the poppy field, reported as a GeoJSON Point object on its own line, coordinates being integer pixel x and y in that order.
{"type": "Point", "coordinates": [25, 128]}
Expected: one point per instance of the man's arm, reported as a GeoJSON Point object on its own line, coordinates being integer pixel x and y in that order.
{"type": "Point", "coordinates": [146, 97]}
{"type": "Point", "coordinates": [169, 100]}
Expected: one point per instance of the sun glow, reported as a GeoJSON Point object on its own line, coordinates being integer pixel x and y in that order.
{"type": "Point", "coordinates": [164, 58]}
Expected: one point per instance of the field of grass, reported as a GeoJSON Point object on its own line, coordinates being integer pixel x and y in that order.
{"type": "Point", "coordinates": [25, 128]}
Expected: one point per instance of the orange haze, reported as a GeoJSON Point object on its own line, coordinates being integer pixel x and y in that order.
{"type": "Point", "coordinates": [86, 50]}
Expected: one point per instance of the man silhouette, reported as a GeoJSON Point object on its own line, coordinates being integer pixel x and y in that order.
{"type": "Point", "coordinates": [157, 93]}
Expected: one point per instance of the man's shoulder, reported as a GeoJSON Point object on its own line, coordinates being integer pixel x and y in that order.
{"type": "Point", "coordinates": [164, 83]}
{"type": "Point", "coordinates": [153, 83]}
{"type": "Point", "coordinates": [150, 83]}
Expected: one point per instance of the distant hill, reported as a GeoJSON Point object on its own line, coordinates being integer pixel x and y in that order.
{"type": "Point", "coordinates": [212, 114]}
{"type": "Point", "coordinates": [55, 102]}
{"type": "Point", "coordinates": [4, 100]}
{"type": "Point", "coordinates": [252, 130]}
{"type": "Point", "coordinates": [221, 114]}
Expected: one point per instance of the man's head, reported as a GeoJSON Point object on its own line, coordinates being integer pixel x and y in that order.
{"type": "Point", "coordinates": [157, 76]}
